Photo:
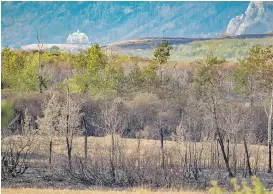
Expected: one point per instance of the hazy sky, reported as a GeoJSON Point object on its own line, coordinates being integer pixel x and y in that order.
{"type": "Point", "coordinates": [106, 22]}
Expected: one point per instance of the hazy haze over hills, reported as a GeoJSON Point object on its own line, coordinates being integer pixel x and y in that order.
{"type": "Point", "coordinates": [106, 22]}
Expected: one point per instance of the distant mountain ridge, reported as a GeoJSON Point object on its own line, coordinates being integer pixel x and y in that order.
{"type": "Point", "coordinates": [106, 22]}
{"type": "Point", "coordinates": [189, 49]}
{"type": "Point", "coordinates": [152, 42]}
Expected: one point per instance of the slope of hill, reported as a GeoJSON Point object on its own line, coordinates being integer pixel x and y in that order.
{"type": "Point", "coordinates": [230, 47]}
{"type": "Point", "coordinates": [151, 42]}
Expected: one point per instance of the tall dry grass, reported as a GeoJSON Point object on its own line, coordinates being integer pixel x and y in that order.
{"type": "Point", "coordinates": [174, 149]}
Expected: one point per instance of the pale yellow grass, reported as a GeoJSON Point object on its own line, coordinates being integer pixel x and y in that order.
{"type": "Point", "coordinates": [100, 146]}
{"type": "Point", "coordinates": [94, 191]}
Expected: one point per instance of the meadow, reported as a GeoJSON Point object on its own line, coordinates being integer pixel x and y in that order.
{"type": "Point", "coordinates": [198, 162]}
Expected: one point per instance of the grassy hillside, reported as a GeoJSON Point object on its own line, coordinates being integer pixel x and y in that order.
{"type": "Point", "coordinates": [230, 49]}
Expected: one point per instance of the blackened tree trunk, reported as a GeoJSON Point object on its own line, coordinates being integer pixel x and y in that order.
{"type": "Point", "coordinates": [221, 141]}
{"type": "Point", "coordinates": [69, 134]}
{"type": "Point", "coordinates": [269, 125]}
{"type": "Point", "coordinates": [69, 151]}
{"type": "Point", "coordinates": [50, 153]}
{"type": "Point", "coordinates": [112, 158]}
{"type": "Point", "coordinates": [162, 147]}
{"type": "Point", "coordinates": [85, 139]}
{"type": "Point", "coordinates": [228, 150]}
{"type": "Point", "coordinates": [247, 158]}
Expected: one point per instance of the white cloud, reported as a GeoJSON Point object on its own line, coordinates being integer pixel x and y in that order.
{"type": "Point", "coordinates": [258, 18]}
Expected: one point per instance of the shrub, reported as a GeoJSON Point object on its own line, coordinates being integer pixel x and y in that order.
{"type": "Point", "coordinates": [7, 112]}
{"type": "Point", "coordinates": [242, 188]}
{"type": "Point", "coordinates": [54, 50]}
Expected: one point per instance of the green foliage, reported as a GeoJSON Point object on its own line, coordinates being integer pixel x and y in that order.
{"type": "Point", "coordinates": [242, 188]}
{"type": "Point", "coordinates": [54, 50]}
{"type": "Point", "coordinates": [224, 48]}
{"type": "Point", "coordinates": [135, 77]}
{"type": "Point", "coordinates": [28, 79]}
{"type": "Point", "coordinates": [90, 66]}
{"type": "Point", "coordinates": [215, 189]}
{"type": "Point", "coordinates": [7, 112]}
{"type": "Point", "coordinates": [96, 59]}
{"type": "Point", "coordinates": [92, 60]}
{"type": "Point", "coordinates": [207, 77]}
{"type": "Point", "coordinates": [12, 64]}
{"type": "Point", "coordinates": [113, 70]}
{"type": "Point", "coordinates": [149, 72]}
{"type": "Point", "coordinates": [140, 79]}
{"type": "Point", "coordinates": [97, 74]}
{"type": "Point", "coordinates": [80, 60]}
{"type": "Point", "coordinates": [208, 69]}
{"type": "Point", "coordinates": [255, 71]}
{"type": "Point", "coordinates": [70, 83]}
{"type": "Point", "coordinates": [162, 52]}
{"type": "Point", "coordinates": [133, 82]}
{"type": "Point", "coordinates": [20, 69]}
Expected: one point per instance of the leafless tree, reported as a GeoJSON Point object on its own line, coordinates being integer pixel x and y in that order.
{"type": "Point", "coordinates": [41, 78]}
{"type": "Point", "coordinates": [48, 124]}
{"type": "Point", "coordinates": [70, 122]}
{"type": "Point", "coordinates": [112, 117]}
{"type": "Point", "coordinates": [17, 150]}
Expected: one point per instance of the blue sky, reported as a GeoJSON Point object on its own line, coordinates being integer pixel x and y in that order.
{"type": "Point", "coordinates": [106, 22]}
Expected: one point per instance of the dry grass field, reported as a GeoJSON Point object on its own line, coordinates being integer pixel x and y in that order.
{"type": "Point", "coordinates": [100, 146]}
{"type": "Point", "coordinates": [130, 152]}
{"type": "Point", "coordinates": [175, 149]}
{"type": "Point", "coordinates": [95, 191]}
